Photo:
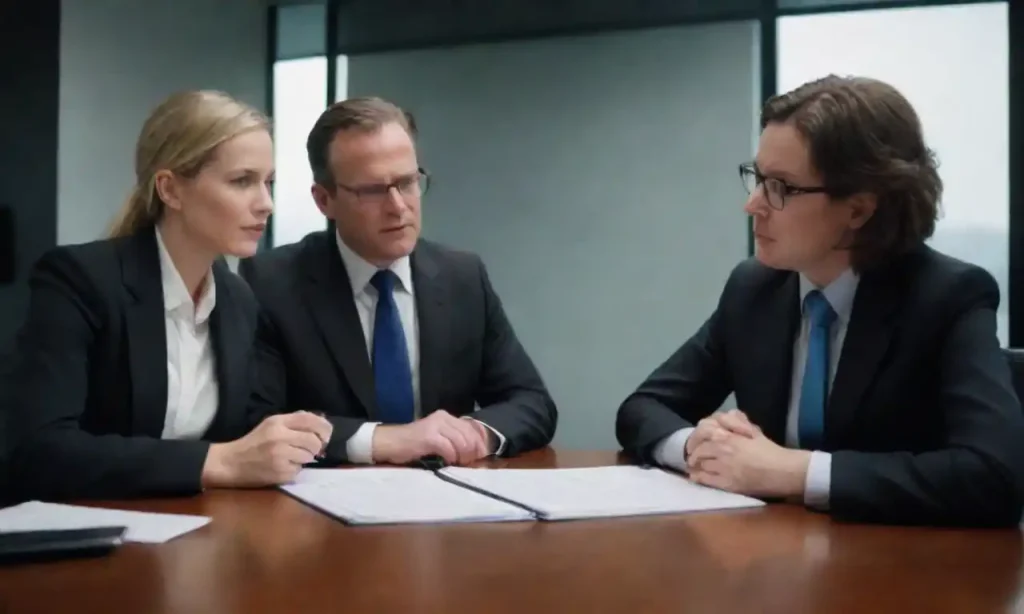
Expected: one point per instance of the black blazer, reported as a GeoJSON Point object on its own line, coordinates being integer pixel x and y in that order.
{"type": "Point", "coordinates": [88, 389]}
{"type": "Point", "coordinates": [312, 352]}
{"type": "Point", "coordinates": [922, 422]}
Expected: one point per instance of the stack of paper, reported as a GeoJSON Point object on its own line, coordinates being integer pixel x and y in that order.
{"type": "Point", "coordinates": [142, 526]}
{"type": "Point", "coordinates": [599, 492]}
{"type": "Point", "coordinates": [396, 495]}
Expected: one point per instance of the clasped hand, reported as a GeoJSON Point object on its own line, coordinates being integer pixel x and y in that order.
{"type": "Point", "coordinates": [457, 440]}
{"type": "Point", "coordinates": [729, 452]}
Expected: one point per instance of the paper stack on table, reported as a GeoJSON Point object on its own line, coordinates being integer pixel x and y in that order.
{"type": "Point", "coordinates": [388, 495]}
{"type": "Point", "coordinates": [142, 526]}
{"type": "Point", "coordinates": [599, 492]}
{"type": "Point", "coordinates": [407, 495]}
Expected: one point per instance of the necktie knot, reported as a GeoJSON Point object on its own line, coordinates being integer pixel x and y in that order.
{"type": "Point", "coordinates": [383, 281]}
{"type": "Point", "coordinates": [818, 309]}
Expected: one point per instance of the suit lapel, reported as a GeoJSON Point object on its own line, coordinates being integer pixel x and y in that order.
{"type": "Point", "coordinates": [431, 296]}
{"type": "Point", "coordinates": [332, 304]}
{"type": "Point", "coordinates": [866, 342]}
{"type": "Point", "coordinates": [230, 345]}
{"type": "Point", "coordinates": [146, 335]}
{"type": "Point", "coordinates": [774, 325]}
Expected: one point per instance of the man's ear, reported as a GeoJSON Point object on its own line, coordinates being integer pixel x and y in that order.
{"type": "Point", "coordinates": [168, 188]}
{"type": "Point", "coordinates": [321, 197]}
{"type": "Point", "coordinates": [862, 207]}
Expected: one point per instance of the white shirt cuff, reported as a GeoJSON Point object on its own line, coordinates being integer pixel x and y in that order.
{"type": "Point", "coordinates": [501, 438]}
{"type": "Point", "coordinates": [359, 447]}
{"type": "Point", "coordinates": [671, 451]}
{"type": "Point", "coordinates": [819, 481]}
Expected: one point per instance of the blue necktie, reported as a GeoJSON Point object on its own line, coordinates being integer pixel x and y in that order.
{"type": "Point", "coordinates": [814, 388]}
{"type": "Point", "coordinates": [392, 376]}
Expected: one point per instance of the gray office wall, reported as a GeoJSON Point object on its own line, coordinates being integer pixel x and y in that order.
{"type": "Point", "coordinates": [597, 178]}
{"type": "Point", "coordinates": [119, 59]}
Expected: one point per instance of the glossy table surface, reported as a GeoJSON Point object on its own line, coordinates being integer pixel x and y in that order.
{"type": "Point", "coordinates": [266, 552]}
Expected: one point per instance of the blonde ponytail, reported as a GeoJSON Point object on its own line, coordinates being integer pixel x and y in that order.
{"type": "Point", "coordinates": [137, 213]}
{"type": "Point", "coordinates": [180, 135]}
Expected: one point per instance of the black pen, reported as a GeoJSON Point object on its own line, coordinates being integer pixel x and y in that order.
{"type": "Point", "coordinates": [323, 442]}
{"type": "Point", "coordinates": [432, 462]}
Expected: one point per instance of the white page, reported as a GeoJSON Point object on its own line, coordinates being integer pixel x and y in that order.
{"type": "Point", "coordinates": [394, 495]}
{"type": "Point", "coordinates": [596, 492]}
{"type": "Point", "coordinates": [142, 526]}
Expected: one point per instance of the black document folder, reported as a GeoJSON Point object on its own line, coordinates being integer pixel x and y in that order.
{"type": "Point", "coordinates": [33, 546]}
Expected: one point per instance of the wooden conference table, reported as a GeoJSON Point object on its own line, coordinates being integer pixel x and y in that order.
{"type": "Point", "coordinates": [266, 552]}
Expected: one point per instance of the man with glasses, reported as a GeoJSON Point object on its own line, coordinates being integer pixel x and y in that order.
{"type": "Point", "coordinates": [865, 365]}
{"type": "Point", "coordinates": [402, 343]}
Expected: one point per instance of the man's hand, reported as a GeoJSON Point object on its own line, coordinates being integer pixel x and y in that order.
{"type": "Point", "coordinates": [754, 466]}
{"type": "Point", "coordinates": [719, 424]}
{"type": "Point", "coordinates": [272, 453]}
{"type": "Point", "coordinates": [459, 442]}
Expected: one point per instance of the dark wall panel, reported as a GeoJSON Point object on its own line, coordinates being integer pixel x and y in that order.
{"type": "Point", "coordinates": [29, 98]}
{"type": "Point", "coordinates": [375, 25]}
{"type": "Point", "coordinates": [299, 31]}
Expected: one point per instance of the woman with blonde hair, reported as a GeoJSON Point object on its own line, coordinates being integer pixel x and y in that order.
{"type": "Point", "coordinates": [132, 370]}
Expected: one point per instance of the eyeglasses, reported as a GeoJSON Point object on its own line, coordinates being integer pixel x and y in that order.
{"type": "Point", "coordinates": [775, 190]}
{"type": "Point", "coordinates": [411, 186]}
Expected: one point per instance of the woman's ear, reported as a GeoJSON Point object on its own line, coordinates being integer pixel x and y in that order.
{"type": "Point", "coordinates": [168, 188]}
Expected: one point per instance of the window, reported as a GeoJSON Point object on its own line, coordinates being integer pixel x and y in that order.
{"type": "Point", "coordinates": [952, 63]}
{"type": "Point", "coordinates": [341, 87]}
{"type": "Point", "coordinates": [299, 96]}
{"type": "Point", "coordinates": [300, 92]}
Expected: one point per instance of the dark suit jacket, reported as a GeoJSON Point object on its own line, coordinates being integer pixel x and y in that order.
{"type": "Point", "coordinates": [88, 390]}
{"type": "Point", "coordinates": [922, 422]}
{"type": "Point", "coordinates": [312, 351]}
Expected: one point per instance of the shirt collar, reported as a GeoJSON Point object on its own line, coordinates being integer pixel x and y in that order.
{"type": "Point", "coordinates": [839, 293]}
{"type": "Point", "coordinates": [360, 272]}
{"type": "Point", "coordinates": [176, 295]}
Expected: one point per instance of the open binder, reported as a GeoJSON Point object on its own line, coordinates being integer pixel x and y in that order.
{"type": "Point", "coordinates": [367, 496]}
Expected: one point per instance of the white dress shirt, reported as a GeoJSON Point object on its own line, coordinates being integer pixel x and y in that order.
{"type": "Point", "coordinates": [840, 294]}
{"type": "Point", "coordinates": [192, 397]}
{"type": "Point", "coordinates": [359, 447]}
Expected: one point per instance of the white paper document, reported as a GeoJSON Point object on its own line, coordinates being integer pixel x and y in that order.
{"type": "Point", "coordinates": [142, 526]}
{"type": "Point", "coordinates": [385, 495]}
{"type": "Point", "coordinates": [600, 492]}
